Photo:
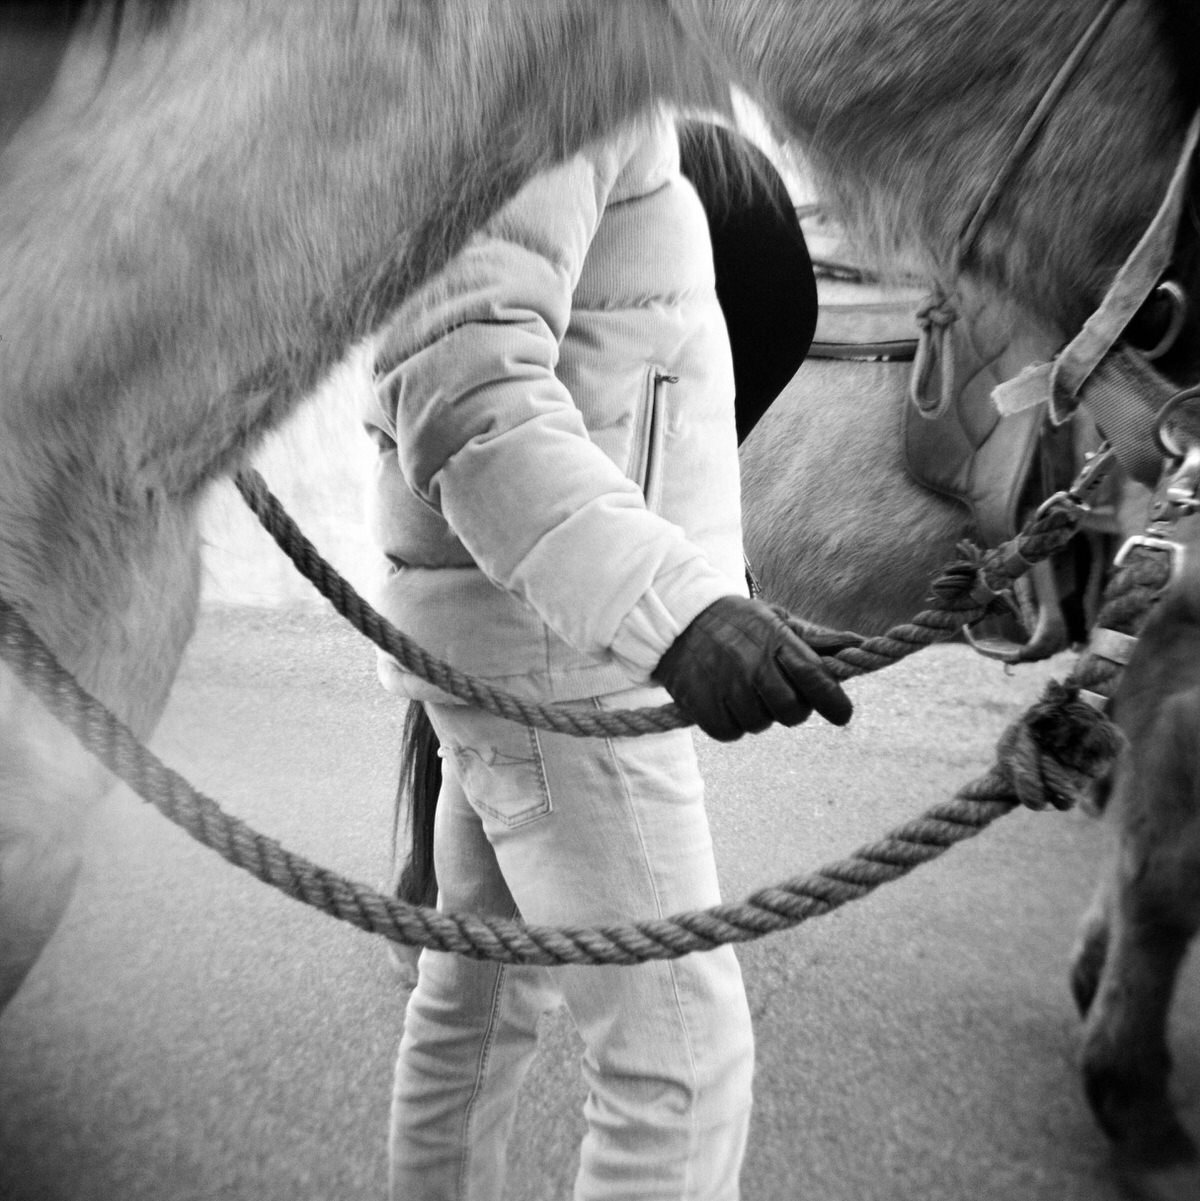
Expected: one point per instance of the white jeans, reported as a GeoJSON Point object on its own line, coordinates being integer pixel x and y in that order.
{"type": "Point", "coordinates": [571, 831]}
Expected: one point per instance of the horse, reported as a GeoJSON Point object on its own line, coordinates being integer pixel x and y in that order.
{"type": "Point", "coordinates": [216, 199]}
{"type": "Point", "coordinates": [890, 490]}
{"type": "Point", "coordinates": [832, 508]}
{"type": "Point", "coordinates": [1146, 909]}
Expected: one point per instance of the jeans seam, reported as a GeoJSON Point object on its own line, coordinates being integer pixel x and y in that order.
{"type": "Point", "coordinates": [539, 758]}
{"type": "Point", "coordinates": [480, 1071]}
{"type": "Point", "coordinates": [693, 1131]}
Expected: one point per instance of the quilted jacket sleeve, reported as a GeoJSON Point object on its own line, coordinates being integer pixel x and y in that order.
{"type": "Point", "coordinates": [490, 438]}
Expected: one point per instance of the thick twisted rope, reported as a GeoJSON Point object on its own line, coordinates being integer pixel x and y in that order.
{"type": "Point", "coordinates": [1063, 744]}
{"type": "Point", "coordinates": [1027, 770]}
{"type": "Point", "coordinates": [965, 593]}
{"type": "Point", "coordinates": [1047, 757]}
{"type": "Point", "coordinates": [342, 595]}
{"type": "Point", "coordinates": [477, 936]}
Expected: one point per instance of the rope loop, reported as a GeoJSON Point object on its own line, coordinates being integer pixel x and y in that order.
{"type": "Point", "coordinates": [1046, 759]}
{"type": "Point", "coordinates": [931, 626]}
{"type": "Point", "coordinates": [484, 936]}
{"type": "Point", "coordinates": [936, 318]}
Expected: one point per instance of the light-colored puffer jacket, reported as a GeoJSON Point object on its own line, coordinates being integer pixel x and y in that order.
{"type": "Point", "coordinates": [556, 491]}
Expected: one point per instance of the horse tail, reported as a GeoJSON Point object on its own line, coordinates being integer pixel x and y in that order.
{"type": "Point", "coordinates": [416, 802]}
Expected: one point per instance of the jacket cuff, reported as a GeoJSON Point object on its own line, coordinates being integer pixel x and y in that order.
{"type": "Point", "coordinates": [676, 597]}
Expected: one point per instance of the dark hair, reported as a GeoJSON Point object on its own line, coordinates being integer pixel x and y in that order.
{"type": "Point", "coordinates": [764, 275]}
{"type": "Point", "coordinates": [65, 14]}
{"type": "Point", "coordinates": [727, 168]}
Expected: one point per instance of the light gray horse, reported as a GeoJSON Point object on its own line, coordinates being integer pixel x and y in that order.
{"type": "Point", "coordinates": [217, 198]}
{"type": "Point", "coordinates": [838, 528]}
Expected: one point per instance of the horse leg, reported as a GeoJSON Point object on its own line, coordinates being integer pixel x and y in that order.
{"type": "Point", "coordinates": [1136, 935]}
{"type": "Point", "coordinates": [48, 783]}
{"type": "Point", "coordinates": [40, 832]}
{"type": "Point", "coordinates": [1091, 943]}
{"type": "Point", "coordinates": [1091, 949]}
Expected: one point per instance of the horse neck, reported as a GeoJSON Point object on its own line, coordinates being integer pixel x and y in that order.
{"type": "Point", "coordinates": [213, 207]}
{"type": "Point", "coordinates": [906, 110]}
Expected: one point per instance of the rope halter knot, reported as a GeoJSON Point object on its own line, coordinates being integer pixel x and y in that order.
{"type": "Point", "coordinates": [1058, 749]}
{"type": "Point", "coordinates": [936, 319]}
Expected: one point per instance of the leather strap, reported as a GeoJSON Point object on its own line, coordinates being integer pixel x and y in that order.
{"type": "Point", "coordinates": [1127, 293]}
{"type": "Point", "coordinates": [866, 352]}
{"type": "Point", "coordinates": [1029, 133]}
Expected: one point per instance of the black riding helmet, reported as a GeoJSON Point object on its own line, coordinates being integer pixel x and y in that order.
{"type": "Point", "coordinates": [765, 281]}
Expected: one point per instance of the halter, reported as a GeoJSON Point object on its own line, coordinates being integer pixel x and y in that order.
{"type": "Point", "coordinates": [939, 313]}
{"type": "Point", "coordinates": [1033, 127]}
{"type": "Point", "coordinates": [1117, 385]}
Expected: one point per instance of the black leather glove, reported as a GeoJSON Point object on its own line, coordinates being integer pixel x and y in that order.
{"type": "Point", "coordinates": [740, 666]}
{"type": "Point", "coordinates": [821, 639]}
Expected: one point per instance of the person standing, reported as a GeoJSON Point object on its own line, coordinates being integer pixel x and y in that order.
{"type": "Point", "coordinates": [557, 496]}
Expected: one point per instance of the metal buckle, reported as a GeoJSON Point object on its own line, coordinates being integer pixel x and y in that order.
{"type": "Point", "coordinates": [1162, 434]}
{"type": "Point", "coordinates": [1096, 465]}
{"type": "Point", "coordinates": [1177, 298]}
{"type": "Point", "coordinates": [1183, 488]}
{"type": "Point", "coordinates": [1002, 650]}
{"type": "Point", "coordinates": [1153, 539]}
{"type": "Point", "coordinates": [1181, 492]}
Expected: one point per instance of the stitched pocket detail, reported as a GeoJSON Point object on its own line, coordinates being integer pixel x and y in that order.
{"type": "Point", "coordinates": [506, 782]}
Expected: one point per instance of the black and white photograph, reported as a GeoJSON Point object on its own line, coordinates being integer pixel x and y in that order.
{"type": "Point", "coordinates": [599, 600]}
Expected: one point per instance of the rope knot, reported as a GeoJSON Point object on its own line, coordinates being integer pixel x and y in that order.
{"type": "Point", "coordinates": [935, 317]}
{"type": "Point", "coordinates": [1058, 749]}
{"type": "Point", "coordinates": [937, 311]}
{"type": "Point", "coordinates": [955, 582]}
{"type": "Point", "coordinates": [967, 584]}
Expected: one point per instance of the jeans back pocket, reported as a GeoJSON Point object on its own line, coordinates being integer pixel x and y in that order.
{"type": "Point", "coordinates": [504, 777]}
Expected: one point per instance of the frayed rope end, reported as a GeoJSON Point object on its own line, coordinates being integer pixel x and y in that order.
{"type": "Point", "coordinates": [1057, 750]}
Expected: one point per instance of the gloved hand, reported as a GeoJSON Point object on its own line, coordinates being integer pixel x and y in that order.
{"type": "Point", "coordinates": [740, 666]}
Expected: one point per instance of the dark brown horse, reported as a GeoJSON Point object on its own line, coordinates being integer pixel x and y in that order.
{"type": "Point", "coordinates": [1146, 911]}
{"type": "Point", "coordinates": [216, 199]}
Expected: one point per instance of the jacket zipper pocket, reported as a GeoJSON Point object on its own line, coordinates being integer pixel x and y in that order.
{"type": "Point", "coordinates": [646, 468]}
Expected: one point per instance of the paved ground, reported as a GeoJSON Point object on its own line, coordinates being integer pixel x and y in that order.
{"type": "Point", "coordinates": [191, 1034]}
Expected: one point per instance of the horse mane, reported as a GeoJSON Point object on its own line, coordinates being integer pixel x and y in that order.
{"type": "Point", "coordinates": [903, 132]}
{"type": "Point", "coordinates": [119, 16]}
{"type": "Point", "coordinates": [148, 12]}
